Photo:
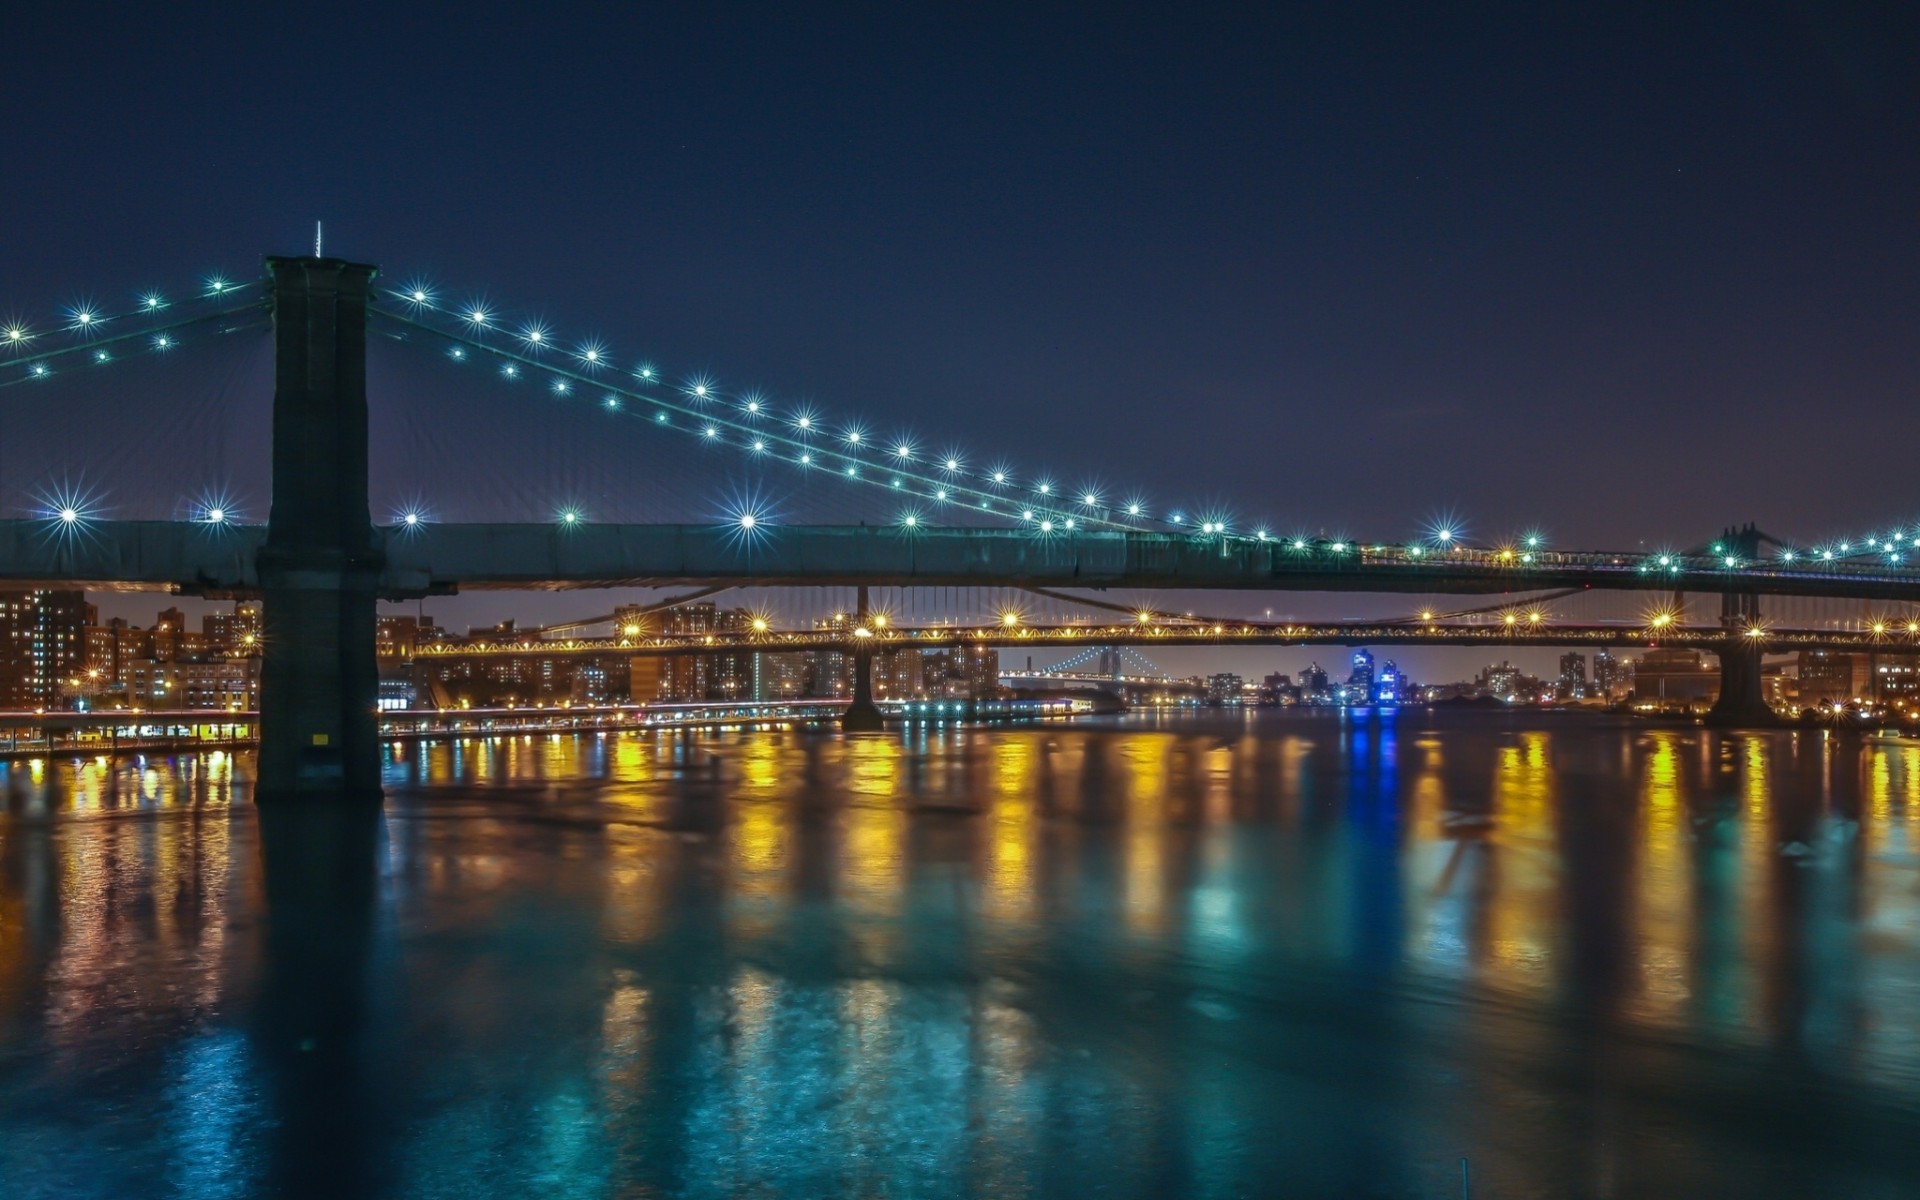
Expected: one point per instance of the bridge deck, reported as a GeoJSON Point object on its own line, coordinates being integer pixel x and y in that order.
{"type": "Point", "coordinates": [438, 559]}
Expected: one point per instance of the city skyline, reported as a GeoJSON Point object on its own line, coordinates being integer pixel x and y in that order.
{"type": "Point", "coordinates": [58, 651]}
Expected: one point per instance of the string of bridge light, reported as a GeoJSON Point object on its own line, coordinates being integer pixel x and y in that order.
{"type": "Point", "coordinates": [91, 332]}
{"type": "Point", "coordinates": [100, 337]}
{"type": "Point", "coordinates": [753, 424]}
{"type": "Point", "coordinates": [801, 436]}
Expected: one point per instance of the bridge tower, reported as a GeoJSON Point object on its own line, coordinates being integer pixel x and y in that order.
{"type": "Point", "coordinates": [320, 565]}
{"type": "Point", "coordinates": [1743, 700]}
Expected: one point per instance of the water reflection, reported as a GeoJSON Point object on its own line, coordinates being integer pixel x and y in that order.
{"type": "Point", "coordinates": [1267, 954]}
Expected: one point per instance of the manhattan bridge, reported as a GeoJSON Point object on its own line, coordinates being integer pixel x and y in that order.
{"type": "Point", "coordinates": [921, 545]}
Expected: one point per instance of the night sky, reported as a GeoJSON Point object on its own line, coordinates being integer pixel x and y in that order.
{"type": "Point", "coordinates": [1624, 274]}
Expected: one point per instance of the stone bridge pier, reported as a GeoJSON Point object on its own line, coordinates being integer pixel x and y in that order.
{"type": "Point", "coordinates": [862, 715]}
{"type": "Point", "coordinates": [1743, 700]}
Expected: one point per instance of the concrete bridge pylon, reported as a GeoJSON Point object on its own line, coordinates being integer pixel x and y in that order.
{"type": "Point", "coordinates": [320, 565]}
{"type": "Point", "coordinates": [1742, 703]}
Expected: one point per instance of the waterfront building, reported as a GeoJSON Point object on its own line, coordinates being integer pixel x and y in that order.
{"type": "Point", "coordinates": [1389, 687]}
{"type": "Point", "coordinates": [1502, 682]}
{"type": "Point", "coordinates": [1675, 677]}
{"type": "Point", "coordinates": [43, 644]}
{"type": "Point", "coordinates": [1223, 690]}
{"type": "Point", "coordinates": [1313, 685]}
{"type": "Point", "coordinates": [1359, 688]}
{"type": "Point", "coordinates": [779, 676]}
{"type": "Point", "coordinates": [1895, 679]}
{"type": "Point", "coordinates": [1825, 678]}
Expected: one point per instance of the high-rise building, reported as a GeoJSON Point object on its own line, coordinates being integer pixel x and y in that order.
{"type": "Point", "coordinates": [589, 682]}
{"type": "Point", "coordinates": [1313, 685]}
{"type": "Point", "coordinates": [43, 646]}
{"type": "Point", "coordinates": [646, 678]}
{"type": "Point", "coordinates": [779, 676]}
{"type": "Point", "coordinates": [1572, 684]}
{"type": "Point", "coordinates": [1388, 686]}
{"type": "Point", "coordinates": [1612, 677]}
{"type": "Point", "coordinates": [830, 674]}
{"type": "Point", "coordinates": [1359, 688]}
{"type": "Point", "coordinates": [899, 674]}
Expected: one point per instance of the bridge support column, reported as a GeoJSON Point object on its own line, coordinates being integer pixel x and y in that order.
{"type": "Point", "coordinates": [1743, 700]}
{"type": "Point", "coordinates": [320, 565]}
{"type": "Point", "coordinates": [862, 715]}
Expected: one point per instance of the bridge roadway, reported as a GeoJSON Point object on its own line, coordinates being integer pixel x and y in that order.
{"type": "Point", "coordinates": [199, 558]}
{"type": "Point", "coordinates": [1899, 638]}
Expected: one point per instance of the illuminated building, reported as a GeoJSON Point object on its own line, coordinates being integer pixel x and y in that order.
{"type": "Point", "coordinates": [112, 646]}
{"type": "Point", "coordinates": [171, 639]}
{"type": "Point", "coordinates": [397, 692]}
{"type": "Point", "coordinates": [1359, 689]}
{"type": "Point", "coordinates": [907, 672]}
{"type": "Point", "coordinates": [899, 673]}
{"type": "Point", "coordinates": [1223, 690]}
{"type": "Point", "coordinates": [1781, 690]}
{"type": "Point", "coordinates": [1675, 676]}
{"type": "Point", "coordinates": [1313, 685]}
{"type": "Point", "coordinates": [43, 643]}
{"type": "Point", "coordinates": [223, 632]}
{"type": "Point", "coordinates": [1502, 682]}
{"type": "Point", "coordinates": [230, 683]}
{"type": "Point", "coordinates": [1825, 678]}
{"type": "Point", "coordinates": [400, 636]}
{"type": "Point", "coordinates": [696, 677]}
{"type": "Point", "coordinates": [1612, 677]}
{"type": "Point", "coordinates": [962, 673]}
{"type": "Point", "coordinates": [779, 676]}
{"type": "Point", "coordinates": [1389, 687]}
{"type": "Point", "coordinates": [589, 683]}
{"type": "Point", "coordinates": [1895, 679]}
{"type": "Point", "coordinates": [646, 677]}
{"type": "Point", "coordinates": [830, 674]}
{"type": "Point", "coordinates": [1572, 684]}
{"type": "Point", "coordinates": [1278, 688]}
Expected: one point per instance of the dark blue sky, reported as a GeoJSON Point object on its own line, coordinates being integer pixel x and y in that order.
{"type": "Point", "coordinates": [1623, 273]}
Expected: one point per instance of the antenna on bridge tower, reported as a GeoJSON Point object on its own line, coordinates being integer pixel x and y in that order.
{"type": "Point", "coordinates": [316, 240]}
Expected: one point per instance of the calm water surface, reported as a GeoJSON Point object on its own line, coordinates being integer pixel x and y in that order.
{"type": "Point", "coordinates": [1261, 954]}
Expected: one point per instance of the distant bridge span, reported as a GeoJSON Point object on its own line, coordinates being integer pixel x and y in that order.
{"type": "Point", "coordinates": [1893, 639]}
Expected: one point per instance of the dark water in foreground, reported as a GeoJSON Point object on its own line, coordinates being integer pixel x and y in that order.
{"type": "Point", "coordinates": [1219, 956]}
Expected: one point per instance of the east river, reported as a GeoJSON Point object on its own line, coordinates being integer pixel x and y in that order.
{"type": "Point", "coordinates": [1216, 955]}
